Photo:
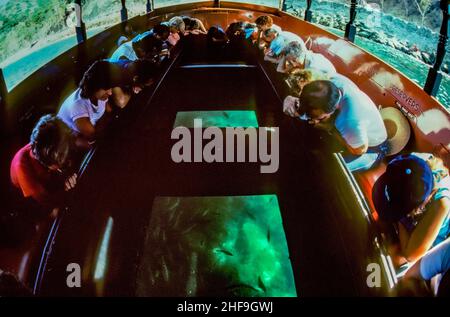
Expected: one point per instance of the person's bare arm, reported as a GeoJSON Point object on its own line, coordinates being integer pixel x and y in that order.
{"type": "Point", "coordinates": [426, 231]}
{"type": "Point", "coordinates": [87, 130]}
{"type": "Point", "coordinates": [270, 58]}
{"type": "Point", "coordinates": [119, 97]}
{"type": "Point", "coordinates": [282, 67]}
{"type": "Point", "coordinates": [354, 151]}
{"type": "Point", "coordinates": [414, 271]}
{"type": "Point", "coordinates": [202, 27]}
{"type": "Point", "coordinates": [359, 150]}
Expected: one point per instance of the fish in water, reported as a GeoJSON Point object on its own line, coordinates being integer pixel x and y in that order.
{"type": "Point", "coordinates": [261, 284]}
{"type": "Point", "coordinates": [224, 252]}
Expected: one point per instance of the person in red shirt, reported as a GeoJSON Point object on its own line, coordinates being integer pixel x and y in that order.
{"type": "Point", "coordinates": [38, 169]}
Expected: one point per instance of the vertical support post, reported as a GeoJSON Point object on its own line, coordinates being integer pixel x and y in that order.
{"type": "Point", "coordinates": [282, 5]}
{"type": "Point", "coordinates": [80, 27]}
{"type": "Point", "coordinates": [3, 101]}
{"type": "Point", "coordinates": [216, 3]}
{"type": "Point", "coordinates": [308, 12]}
{"type": "Point", "coordinates": [434, 74]}
{"type": "Point", "coordinates": [350, 29]}
{"type": "Point", "coordinates": [123, 12]}
{"type": "Point", "coordinates": [149, 6]}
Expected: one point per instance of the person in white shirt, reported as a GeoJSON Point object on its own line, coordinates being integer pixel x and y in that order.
{"type": "Point", "coordinates": [144, 45]}
{"type": "Point", "coordinates": [341, 108]}
{"type": "Point", "coordinates": [83, 109]}
{"type": "Point", "coordinates": [295, 56]}
{"type": "Point", "coordinates": [278, 42]}
{"type": "Point", "coordinates": [124, 51]}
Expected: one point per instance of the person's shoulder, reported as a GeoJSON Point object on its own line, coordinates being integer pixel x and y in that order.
{"type": "Point", "coordinates": [73, 102]}
{"type": "Point", "coordinates": [23, 166]}
{"type": "Point", "coordinates": [277, 28]}
{"type": "Point", "coordinates": [339, 79]}
{"type": "Point", "coordinates": [22, 155]}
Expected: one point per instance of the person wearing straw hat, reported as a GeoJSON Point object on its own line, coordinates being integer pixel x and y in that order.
{"type": "Point", "coordinates": [414, 195]}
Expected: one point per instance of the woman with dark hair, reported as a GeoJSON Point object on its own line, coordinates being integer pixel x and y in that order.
{"type": "Point", "coordinates": [40, 169]}
{"type": "Point", "coordinates": [86, 105]}
{"type": "Point", "coordinates": [149, 46]}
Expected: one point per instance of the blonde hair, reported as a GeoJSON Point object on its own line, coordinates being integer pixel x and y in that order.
{"type": "Point", "coordinates": [304, 75]}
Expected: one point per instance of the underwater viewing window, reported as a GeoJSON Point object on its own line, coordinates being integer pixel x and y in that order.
{"type": "Point", "coordinates": [215, 246]}
{"type": "Point", "coordinates": [220, 119]}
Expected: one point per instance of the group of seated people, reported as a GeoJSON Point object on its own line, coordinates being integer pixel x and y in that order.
{"type": "Point", "coordinates": [40, 170]}
{"type": "Point", "coordinates": [413, 194]}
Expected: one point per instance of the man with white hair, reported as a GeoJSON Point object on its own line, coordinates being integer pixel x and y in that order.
{"type": "Point", "coordinates": [177, 27]}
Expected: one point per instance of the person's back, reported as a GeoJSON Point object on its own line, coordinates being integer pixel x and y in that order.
{"type": "Point", "coordinates": [31, 177]}
{"type": "Point", "coordinates": [38, 168]}
{"type": "Point", "coordinates": [358, 121]}
{"type": "Point", "coordinates": [282, 41]}
{"type": "Point", "coordinates": [124, 51]}
{"type": "Point", "coordinates": [76, 107]}
{"type": "Point", "coordinates": [319, 62]}
{"type": "Point", "coordinates": [289, 37]}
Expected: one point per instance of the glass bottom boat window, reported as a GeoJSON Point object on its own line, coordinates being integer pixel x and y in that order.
{"type": "Point", "coordinates": [220, 119]}
{"type": "Point", "coordinates": [215, 246]}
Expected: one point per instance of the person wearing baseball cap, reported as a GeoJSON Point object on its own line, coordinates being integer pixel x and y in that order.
{"type": "Point", "coordinates": [414, 194]}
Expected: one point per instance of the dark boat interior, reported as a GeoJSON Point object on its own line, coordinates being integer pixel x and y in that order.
{"type": "Point", "coordinates": [329, 225]}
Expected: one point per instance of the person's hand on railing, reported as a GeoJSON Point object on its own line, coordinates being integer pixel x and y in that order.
{"type": "Point", "coordinates": [290, 106]}
{"type": "Point", "coordinates": [70, 182]}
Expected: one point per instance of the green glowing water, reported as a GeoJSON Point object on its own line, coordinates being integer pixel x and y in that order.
{"type": "Point", "coordinates": [216, 246]}
{"type": "Point", "coordinates": [221, 119]}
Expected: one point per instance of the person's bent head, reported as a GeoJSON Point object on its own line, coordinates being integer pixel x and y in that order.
{"type": "Point", "coordinates": [161, 31]}
{"type": "Point", "coordinates": [216, 35]}
{"type": "Point", "coordinates": [301, 77]}
{"type": "Point", "coordinates": [96, 81]}
{"type": "Point", "coordinates": [403, 188]}
{"type": "Point", "coordinates": [269, 34]}
{"type": "Point", "coordinates": [264, 22]}
{"type": "Point", "coordinates": [147, 46]}
{"type": "Point", "coordinates": [295, 53]}
{"type": "Point", "coordinates": [176, 24]}
{"type": "Point", "coordinates": [144, 72]}
{"type": "Point", "coordinates": [235, 30]}
{"type": "Point", "coordinates": [52, 143]}
{"type": "Point", "coordinates": [318, 101]}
